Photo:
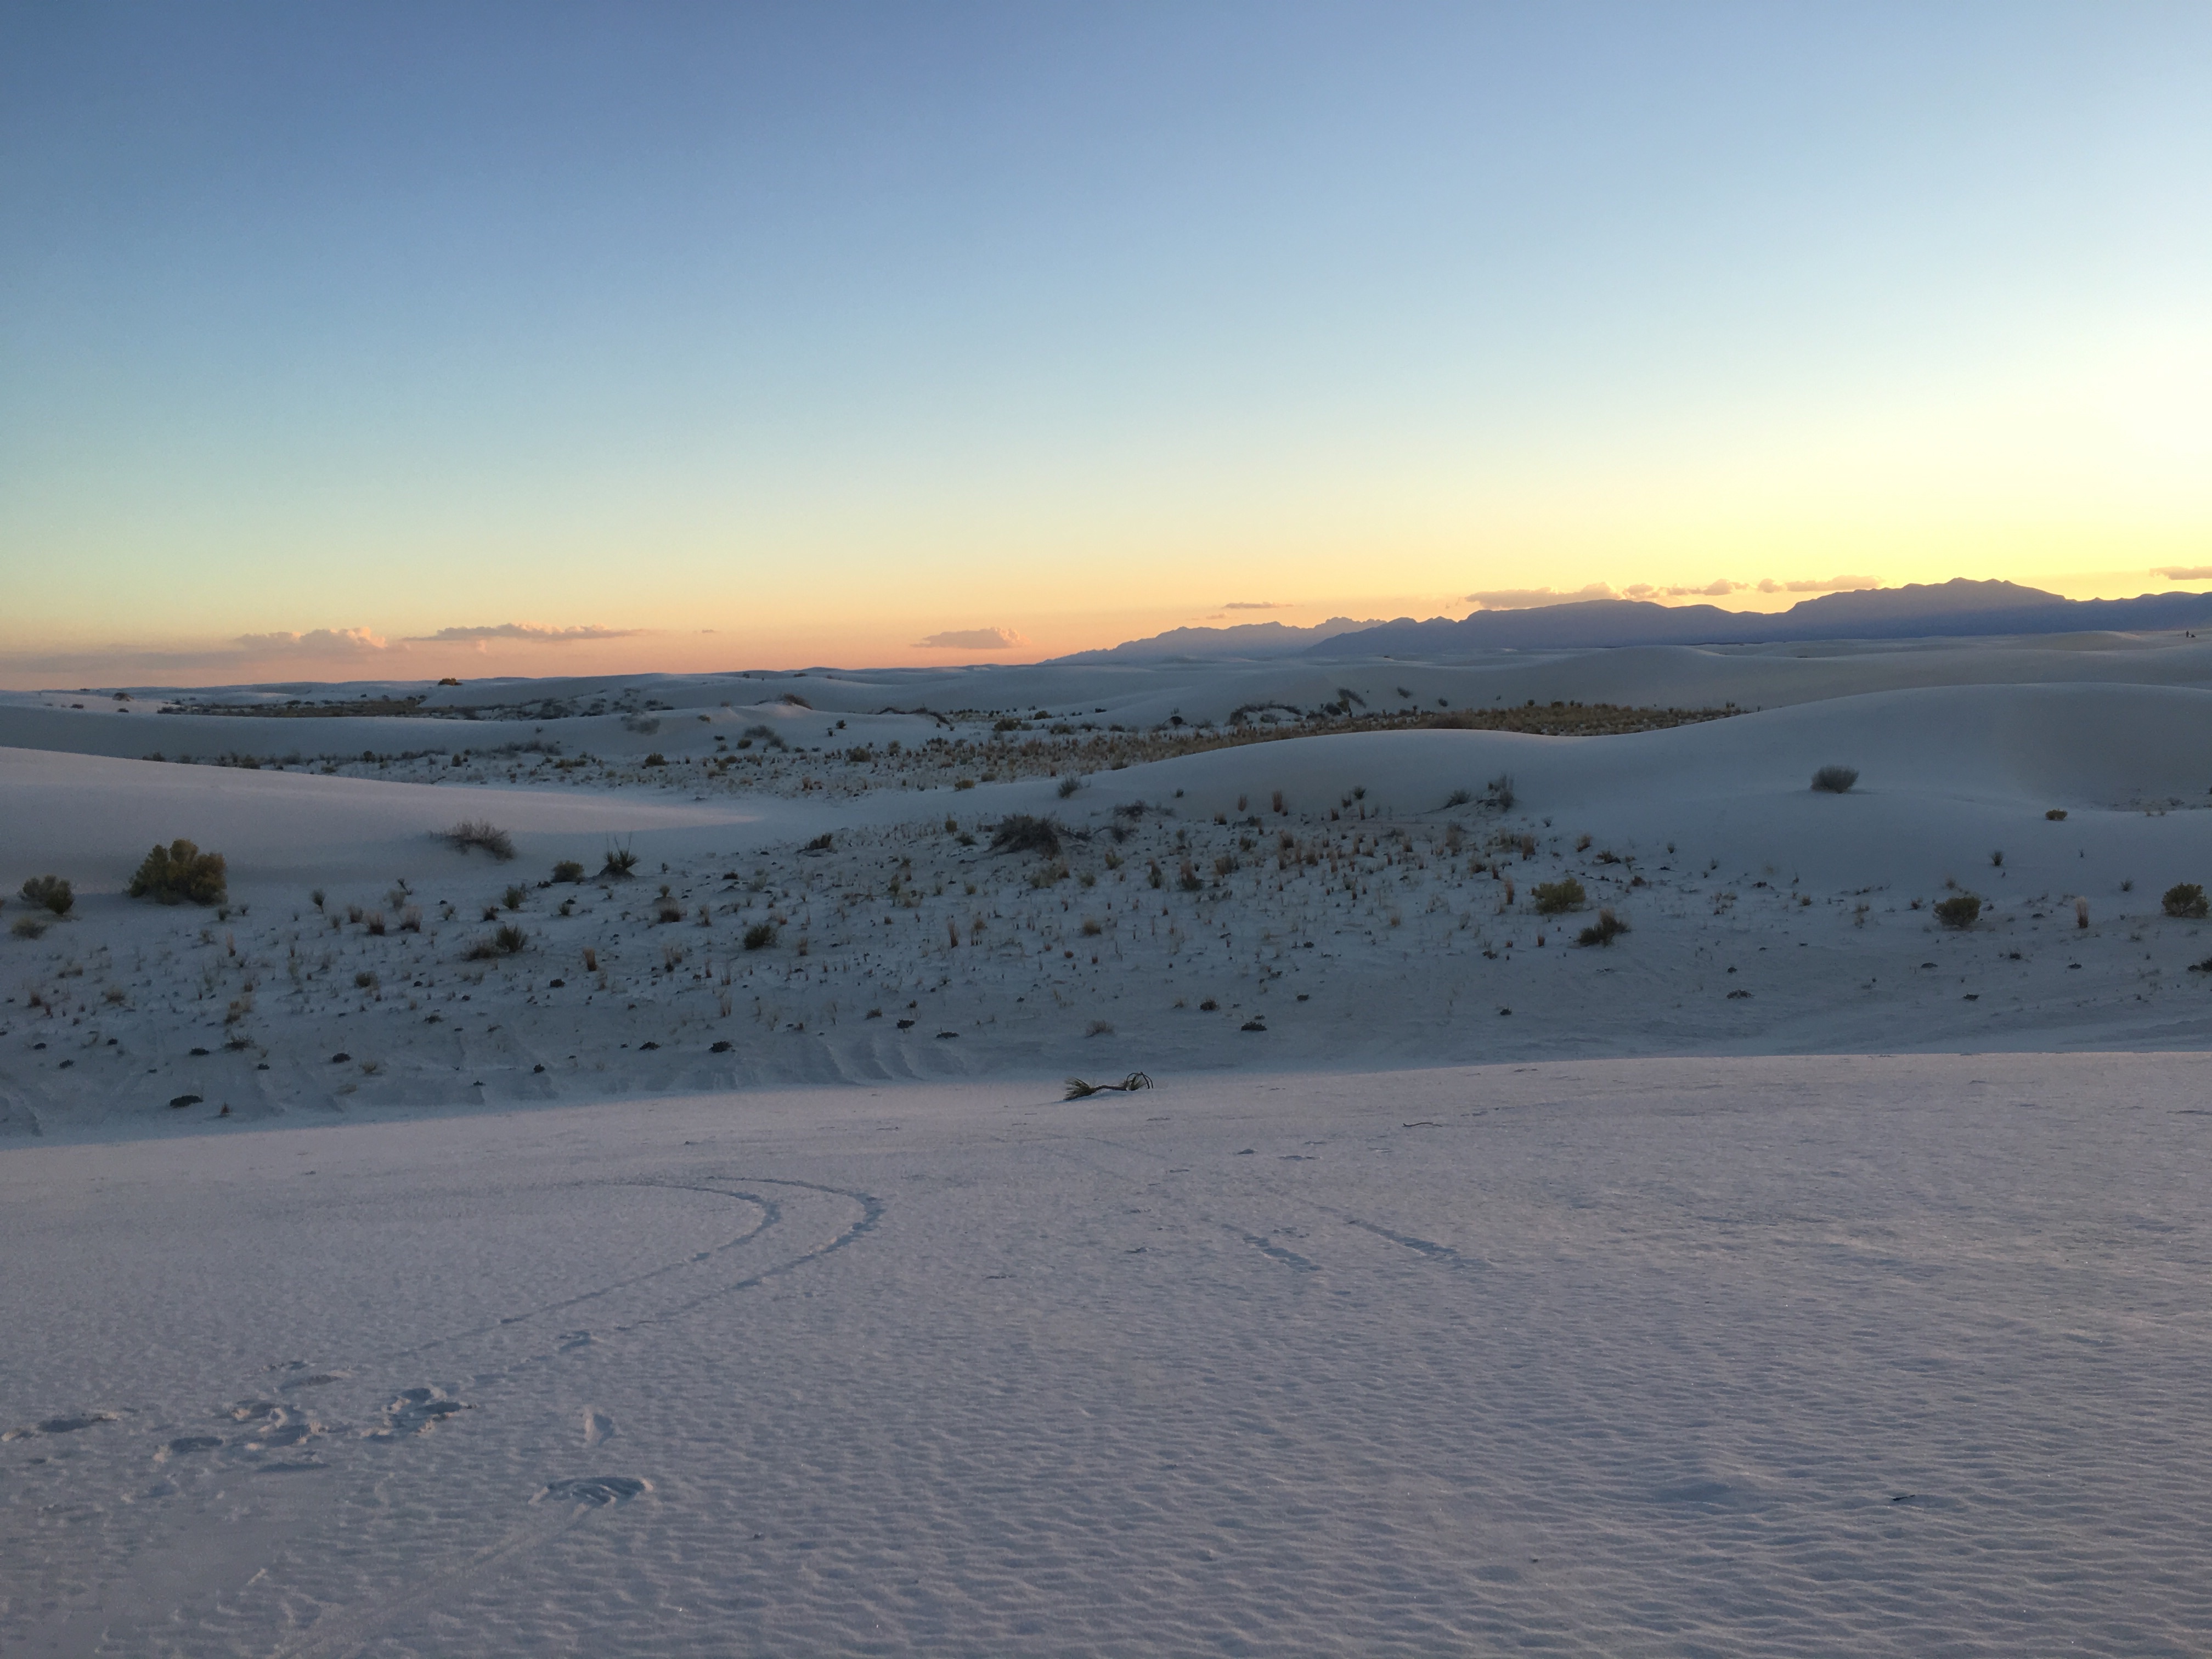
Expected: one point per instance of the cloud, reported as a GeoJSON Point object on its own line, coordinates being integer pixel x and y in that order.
{"type": "Point", "coordinates": [1525, 598]}
{"type": "Point", "coordinates": [533, 632]}
{"type": "Point", "coordinates": [974, 638]}
{"type": "Point", "coordinates": [1833, 585]}
{"type": "Point", "coordinates": [2185, 572]}
{"type": "Point", "coordinates": [315, 642]}
{"type": "Point", "coordinates": [1257, 605]}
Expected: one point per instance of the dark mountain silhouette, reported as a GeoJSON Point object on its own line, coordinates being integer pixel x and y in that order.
{"type": "Point", "coordinates": [1268, 639]}
{"type": "Point", "coordinates": [1917, 610]}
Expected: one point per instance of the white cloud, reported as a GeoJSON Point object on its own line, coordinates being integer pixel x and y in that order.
{"type": "Point", "coordinates": [1257, 605]}
{"type": "Point", "coordinates": [974, 638]}
{"type": "Point", "coordinates": [1833, 585]}
{"type": "Point", "coordinates": [1525, 599]}
{"type": "Point", "coordinates": [2185, 572]}
{"type": "Point", "coordinates": [532, 633]}
{"type": "Point", "coordinates": [316, 642]}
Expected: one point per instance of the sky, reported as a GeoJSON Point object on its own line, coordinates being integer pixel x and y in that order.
{"type": "Point", "coordinates": [352, 341]}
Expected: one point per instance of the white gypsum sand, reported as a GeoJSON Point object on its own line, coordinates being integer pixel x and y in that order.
{"type": "Point", "coordinates": [1747, 1356]}
{"type": "Point", "coordinates": [1457, 1286]}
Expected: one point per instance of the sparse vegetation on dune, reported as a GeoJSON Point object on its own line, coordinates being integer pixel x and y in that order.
{"type": "Point", "coordinates": [49, 893]}
{"type": "Point", "coordinates": [1835, 779]}
{"type": "Point", "coordinates": [2186, 901]}
{"type": "Point", "coordinates": [477, 833]}
{"type": "Point", "coordinates": [180, 873]}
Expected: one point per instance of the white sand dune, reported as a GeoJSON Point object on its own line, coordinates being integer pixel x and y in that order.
{"type": "Point", "coordinates": [1732, 1357]}
{"type": "Point", "coordinates": [1794, 1275]}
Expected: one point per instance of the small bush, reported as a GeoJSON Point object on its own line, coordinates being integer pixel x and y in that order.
{"type": "Point", "coordinates": [1556, 898]}
{"type": "Point", "coordinates": [1018, 832]}
{"type": "Point", "coordinates": [2185, 900]}
{"type": "Point", "coordinates": [365, 981]}
{"type": "Point", "coordinates": [620, 862]}
{"type": "Point", "coordinates": [760, 936]}
{"type": "Point", "coordinates": [30, 926]}
{"type": "Point", "coordinates": [2057, 814]}
{"type": "Point", "coordinates": [822, 843]}
{"type": "Point", "coordinates": [1498, 792]}
{"type": "Point", "coordinates": [568, 870]}
{"type": "Point", "coordinates": [512, 898]}
{"type": "Point", "coordinates": [656, 758]}
{"type": "Point", "coordinates": [50, 892]}
{"type": "Point", "coordinates": [668, 909]}
{"type": "Point", "coordinates": [1961, 911]}
{"type": "Point", "coordinates": [1835, 779]}
{"type": "Point", "coordinates": [1459, 798]}
{"type": "Point", "coordinates": [510, 939]}
{"type": "Point", "coordinates": [180, 872]}
{"type": "Point", "coordinates": [475, 832]}
{"type": "Point", "coordinates": [1607, 928]}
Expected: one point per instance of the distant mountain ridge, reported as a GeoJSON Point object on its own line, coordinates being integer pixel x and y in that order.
{"type": "Point", "coordinates": [1268, 639]}
{"type": "Point", "coordinates": [1958, 607]}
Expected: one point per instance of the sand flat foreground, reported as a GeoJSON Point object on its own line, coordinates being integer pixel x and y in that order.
{"type": "Point", "coordinates": [1733, 1356]}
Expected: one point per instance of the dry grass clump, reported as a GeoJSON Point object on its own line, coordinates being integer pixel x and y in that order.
{"type": "Point", "coordinates": [509, 940]}
{"type": "Point", "coordinates": [1019, 832]}
{"type": "Point", "coordinates": [180, 872]}
{"type": "Point", "coordinates": [568, 869]}
{"type": "Point", "coordinates": [760, 936]}
{"type": "Point", "coordinates": [1079, 1089]}
{"type": "Point", "coordinates": [1961, 911]}
{"type": "Point", "coordinates": [49, 893]}
{"type": "Point", "coordinates": [1607, 928]}
{"type": "Point", "coordinates": [2185, 900]}
{"type": "Point", "coordinates": [1835, 779]}
{"type": "Point", "coordinates": [30, 926]}
{"type": "Point", "coordinates": [477, 832]}
{"type": "Point", "coordinates": [621, 861]}
{"type": "Point", "coordinates": [1556, 898]}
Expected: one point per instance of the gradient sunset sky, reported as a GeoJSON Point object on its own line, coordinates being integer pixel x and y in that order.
{"type": "Point", "coordinates": [349, 341]}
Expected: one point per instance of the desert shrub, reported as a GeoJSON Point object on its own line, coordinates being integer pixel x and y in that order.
{"type": "Point", "coordinates": [1498, 792]}
{"type": "Point", "coordinates": [1189, 880]}
{"type": "Point", "coordinates": [30, 926]}
{"type": "Point", "coordinates": [1091, 928]}
{"type": "Point", "coordinates": [1962, 910]}
{"type": "Point", "coordinates": [1607, 928]}
{"type": "Point", "coordinates": [668, 909]}
{"type": "Point", "coordinates": [2185, 900]}
{"type": "Point", "coordinates": [1069, 785]}
{"type": "Point", "coordinates": [1556, 898]}
{"type": "Point", "coordinates": [476, 832]}
{"type": "Point", "coordinates": [1459, 798]}
{"type": "Point", "coordinates": [656, 758]}
{"type": "Point", "coordinates": [1835, 779]}
{"type": "Point", "coordinates": [365, 981]}
{"type": "Point", "coordinates": [51, 893]}
{"type": "Point", "coordinates": [512, 898]}
{"type": "Point", "coordinates": [760, 936]}
{"type": "Point", "coordinates": [1996, 859]}
{"type": "Point", "coordinates": [1018, 832]}
{"type": "Point", "coordinates": [620, 862]}
{"type": "Point", "coordinates": [822, 843]}
{"type": "Point", "coordinates": [568, 870]}
{"type": "Point", "coordinates": [180, 872]}
{"type": "Point", "coordinates": [2057, 814]}
{"type": "Point", "coordinates": [510, 939]}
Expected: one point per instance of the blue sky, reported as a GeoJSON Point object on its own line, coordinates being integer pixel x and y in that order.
{"type": "Point", "coordinates": [828, 327]}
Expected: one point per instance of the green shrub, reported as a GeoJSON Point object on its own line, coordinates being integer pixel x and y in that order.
{"type": "Point", "coordinates": [1607, 928]}
{"type": "Point", "coordinates": [1962, 911]}
{"type": "Point", "coordinates": [620, 862]}
{"type": "Point", "coordinates": [568, 870]}
{"type": "Point", "coordinates": [50, 892]}
{"type": "Point", "coordinates": [1556, 898]}
{"type": "Point", "coordinates": [760, 936]}
{"type": "Point", "coordinates": [512, 898]}
{"type": "Point", "coordinates": [1019, 832]}
{"type": "Point", "coordinates": [510, 939]}
{"type": "Point", "coordinates": [180, 872]}
{"type": "Point", "coordinates": [2185, 900]}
